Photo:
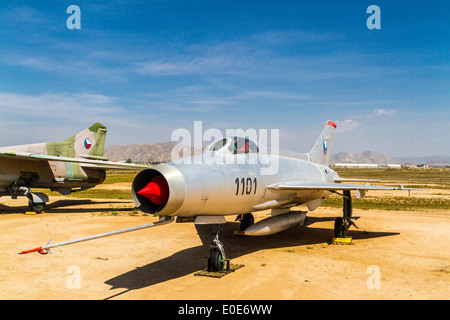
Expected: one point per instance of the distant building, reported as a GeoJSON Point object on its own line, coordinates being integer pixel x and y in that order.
{"type": "Point", "coordinates": [365, 165]}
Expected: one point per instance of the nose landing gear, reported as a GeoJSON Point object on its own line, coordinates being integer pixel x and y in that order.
{"type": "Point", "coordinates": [217, 258]}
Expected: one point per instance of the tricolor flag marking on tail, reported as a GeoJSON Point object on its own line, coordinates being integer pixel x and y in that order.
{"type": "Point", "coordinates": [87, 143]}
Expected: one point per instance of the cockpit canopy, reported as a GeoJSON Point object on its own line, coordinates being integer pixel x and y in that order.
{"type": "Point", "coordinates": [235, 145]}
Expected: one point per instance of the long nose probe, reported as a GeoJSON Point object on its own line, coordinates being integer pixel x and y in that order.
{"type": "Point", "coordinates": [46, 249]}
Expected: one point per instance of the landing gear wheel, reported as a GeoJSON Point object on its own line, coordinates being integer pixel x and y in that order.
{"type": "Point", "coordinates": [215, 262]}
{"type": "Point", "coordinates": [37, 207]}
{"type": "Point", "coordinates": [246, 221]}
{"type": "Point", "coordinates": [341, 225]}
{"type": "Point", "coordinates": [339, 228]}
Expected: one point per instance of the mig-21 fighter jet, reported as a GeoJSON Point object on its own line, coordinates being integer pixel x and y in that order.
{"type": "Point", "coordinates": [74, 164]}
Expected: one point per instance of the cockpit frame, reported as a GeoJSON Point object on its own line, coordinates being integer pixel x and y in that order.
{"type": "Point", "coordinates": [234, 145]}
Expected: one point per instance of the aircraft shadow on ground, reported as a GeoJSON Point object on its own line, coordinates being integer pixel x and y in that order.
{"type": "Point", "coordinates": [64, 206]}
{"type": "Point", "coordinates": [194, 259]}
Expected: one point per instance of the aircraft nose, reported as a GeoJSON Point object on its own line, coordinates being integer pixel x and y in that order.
{"type": "Point", "coordinates": [157, 190]}
{"type": "Point", "coordinates": [160, 189]}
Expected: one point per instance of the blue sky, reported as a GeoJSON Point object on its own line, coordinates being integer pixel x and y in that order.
{"type": "Point", "coordinates": [146, 68]}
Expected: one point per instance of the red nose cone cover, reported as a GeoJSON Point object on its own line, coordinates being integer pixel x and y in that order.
{"type": "Point", "coordinates": [156, 190]}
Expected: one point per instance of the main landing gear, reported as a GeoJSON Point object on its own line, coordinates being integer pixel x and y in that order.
{"type": "Point", "coordinates": [217, 258]}
{"type": "Point", "coordinates": [36, 200]}
{"type": "Point", "coordinates": [246, 220]}
{"type": "Point", "coordinates": [341, 225]}
{"type": "Point", "coordinates": [37, 207]}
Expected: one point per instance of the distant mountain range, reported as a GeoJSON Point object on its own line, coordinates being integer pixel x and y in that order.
{"type": "Point", "coordinates": [363, 157]}
{"type": "Point", "coordinates": [141, 153]}
{"type": "Point", "coordinates": [161, 152]}
{"type": "Point", "coordinates": [378, 158]}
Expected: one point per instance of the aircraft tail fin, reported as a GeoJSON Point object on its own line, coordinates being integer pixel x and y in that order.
{"type": "Point", "coordinates": [321, 152]}
{"type": "Point", "coordinates": [88, 143]}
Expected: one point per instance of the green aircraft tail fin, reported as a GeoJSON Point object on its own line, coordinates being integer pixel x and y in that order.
{"type": "Point", "coordinates": [88, 143]}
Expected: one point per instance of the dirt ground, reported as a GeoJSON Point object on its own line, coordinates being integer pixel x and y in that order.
{"type": "Point", "coordinates": [395, 255]}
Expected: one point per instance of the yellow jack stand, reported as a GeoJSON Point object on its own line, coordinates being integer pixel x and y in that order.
{"type": "Point", "coordinates": [347, 240]}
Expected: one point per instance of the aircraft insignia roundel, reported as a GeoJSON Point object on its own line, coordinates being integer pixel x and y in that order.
{"type": "Point", "coordinates": [87, 143]}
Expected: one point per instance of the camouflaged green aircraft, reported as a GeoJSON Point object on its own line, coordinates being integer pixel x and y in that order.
{"type": "Point", "coordinates": [74, 164]}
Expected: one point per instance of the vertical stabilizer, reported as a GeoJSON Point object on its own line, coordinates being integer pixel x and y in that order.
{"type": "Point", "coordinates": [88, 143]}
{"type": "Point", "coordinates": [321, 152]}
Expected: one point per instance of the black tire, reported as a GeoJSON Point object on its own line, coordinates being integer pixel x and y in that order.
{"type": "Point", "coordinates": [37, 207]}
{"type": "Point", "coordinates": [246, 221]}
{"type": "Point", "coordinates": [215, 261]}
{"type": "Point", "coordinates": [339, 228]}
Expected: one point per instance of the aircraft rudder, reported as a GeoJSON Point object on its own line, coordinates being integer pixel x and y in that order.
{"type": "Point", "coordinates": [99, 131]}
{"type": "Point", "coordinates": [321, 152]}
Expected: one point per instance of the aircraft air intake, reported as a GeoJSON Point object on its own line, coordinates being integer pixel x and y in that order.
{"type": "Point", "coordinates": [159, 189]}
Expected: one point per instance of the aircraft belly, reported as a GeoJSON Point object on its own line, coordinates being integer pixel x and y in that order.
{"type": "Point", "coordinates": [6, 180]}
{"type": "Point", "coordinates": [308, 195]}
{"type": "Point", "coordinates": [9, 170]}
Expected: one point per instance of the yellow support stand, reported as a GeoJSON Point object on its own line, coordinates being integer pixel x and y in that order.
{"type": "Point", "coordinates": [347, 240]}
{"type": "Point", "coordinates": [33, 212]}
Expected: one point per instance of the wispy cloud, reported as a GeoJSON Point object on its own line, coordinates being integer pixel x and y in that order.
{"type": "Point", "coordinates": [276, 95]}
{"type": "Point", "coordinates": [24, 15]}
{"type": "Point", "coordinates": [383, 112]}
{"type": "Point", "coordinates": [296, 37]}
{"type": "Point", "coordinates": [67, 113]}
{"type": "Point", "coordinates": [348, 125]}
{"type": "Point", "coordinates": [59, 106]}
{"type": "Point", "coordinates": [183, 65]}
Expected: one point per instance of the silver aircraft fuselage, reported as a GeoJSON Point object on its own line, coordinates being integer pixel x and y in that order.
{"type": "Point", "coordinates": [233, 187]}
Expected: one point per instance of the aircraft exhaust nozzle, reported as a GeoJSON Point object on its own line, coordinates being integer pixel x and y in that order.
{"type": "Point", "coordinates": [159, 189]}
{"type": "Point", "coordinates": [275, 224]}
